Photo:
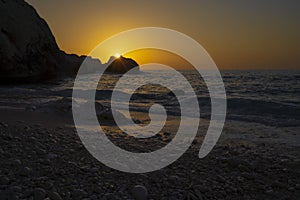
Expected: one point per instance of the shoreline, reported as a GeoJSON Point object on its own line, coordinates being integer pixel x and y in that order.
{"type": "Point", "coordinates": [42, 151]}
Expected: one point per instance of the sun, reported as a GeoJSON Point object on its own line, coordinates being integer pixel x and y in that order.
{"type": "Point", "coordinates": [117, 55]}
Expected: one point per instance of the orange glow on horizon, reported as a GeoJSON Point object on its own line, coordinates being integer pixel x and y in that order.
{"type": "Point", "coordinates": [146, 56]}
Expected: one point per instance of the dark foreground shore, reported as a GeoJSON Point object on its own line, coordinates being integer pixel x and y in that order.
{"type": "Point", "coordinates": [41, 157]}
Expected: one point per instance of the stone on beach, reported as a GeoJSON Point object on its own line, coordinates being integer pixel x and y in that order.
{"type": "Point", "coordinates": [139, 192]}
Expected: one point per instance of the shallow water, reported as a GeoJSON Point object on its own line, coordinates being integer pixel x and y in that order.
{"type": "Point", "coordinates": [270, 97]}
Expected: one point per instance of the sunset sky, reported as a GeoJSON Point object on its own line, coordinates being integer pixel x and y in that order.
{"type": "Point", "coordinates": [237, 34]}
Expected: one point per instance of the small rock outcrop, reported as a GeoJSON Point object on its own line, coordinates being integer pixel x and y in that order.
{"type": "Point", "coordinates": [122, 65]}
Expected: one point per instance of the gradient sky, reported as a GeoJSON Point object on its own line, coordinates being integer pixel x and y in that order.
{"type": "Point", "coordinates": [237, 34]}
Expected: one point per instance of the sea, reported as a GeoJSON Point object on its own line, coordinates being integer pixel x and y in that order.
{"type": "Point", "coordinates": [269, 97]}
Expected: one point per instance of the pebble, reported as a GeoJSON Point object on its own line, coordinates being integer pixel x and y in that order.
{"type": "Point", "coordinates": [54, 196]}
{"type": "Point", "coordinates": [174, 178]}
{"type": "Point", "coordinates": [137, 121]}
{"type": "Point", "coordinates": [167, 140]}
{"type": "Point", "coordinates": [167, 134]}
{"type": "Point", "coordinates": [198, 193]}
{"type": "Point", "coordinates": [51, 156]}
{"type": "Point", "coordinates": [109, 196]}
{"type": "Point", "coordinates": [4, 180]}
{"type": "Point", "coordinates": [48, 185]}
{"type": "Point", "coordinates": [192, 196]}
{"type": "Point", "coordinates": [269, 191]}
{"type": "Point", "coordinates": [25, 171]}
{"type": "Point", "coordinates": [16, 189]}
{"type": "Point", "coordinates": [10, 195]}
{"type": "Point", "coordinates": [3, 124]}
{"type": "Point", "coordinates": [39, 194]}
{"type": "Point", "coordinates": [16, 162]}
{"type": "Point", "coordinates": [199, 179]}
{"type": "Point", "coordinates": [40, 151]}
{"type": "Point", "coordinates": [201, 188]}
{"type": "Point", "coordinates": [139, 192]}
{"type": "Point", "coordinates": [78, 193]}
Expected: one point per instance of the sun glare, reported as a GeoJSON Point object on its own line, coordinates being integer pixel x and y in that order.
{"type": "Point", "coordinates": [117, 55]}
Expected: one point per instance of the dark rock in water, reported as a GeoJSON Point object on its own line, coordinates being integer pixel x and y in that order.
{"type": "Point", "coordinates": [122, 65]}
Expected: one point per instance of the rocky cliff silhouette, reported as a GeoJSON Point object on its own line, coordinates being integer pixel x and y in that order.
{"type": "Point", "coordinates": [28, 50]}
